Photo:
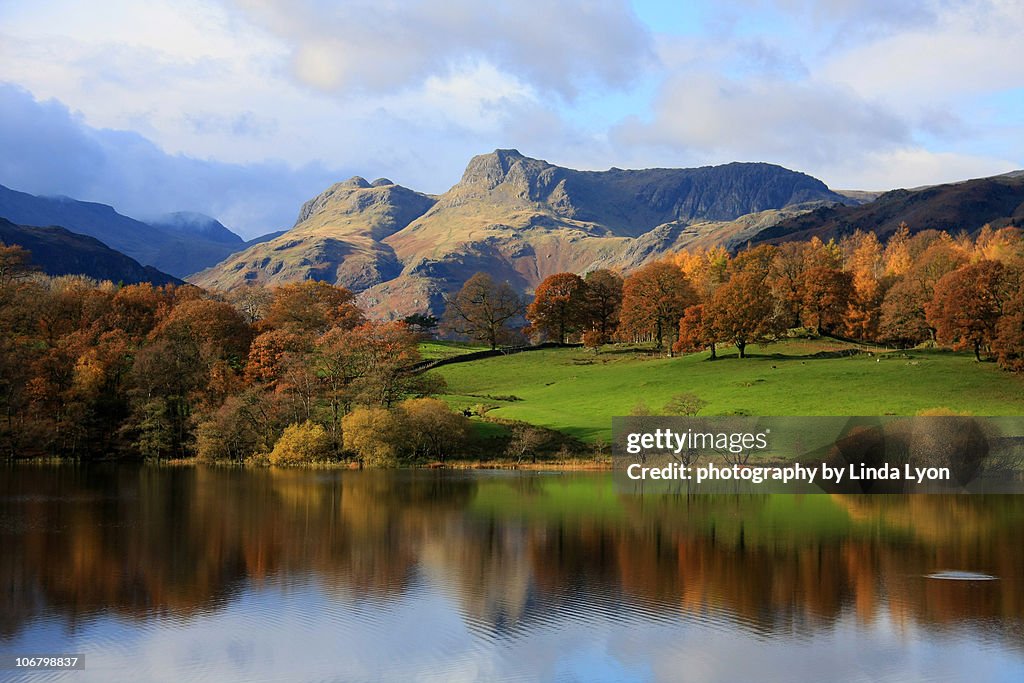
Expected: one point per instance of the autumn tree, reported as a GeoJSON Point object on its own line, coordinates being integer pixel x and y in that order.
{"type": "Point", "coordinates": [654, 298]}
{"type": "Point", "coordinates": [865, 262]}
{"type": "Point", "coordinates": [15, 265]}
{"type": "Point", "coordinates": [252, 300]}
{"type": "Point", "coordinates": [1008, 344]}
{"type": "Point", "coordinates": [301, 444]}
{"type": "Point", "coordinates": [269, 352]}
{"type": "Point", "coordinates": [696, 332]}
{"type": "Point", "coordinates": [376, 436]}
{"type": "Point", "coordinates": [559, 306]}
{"type": "Point", "coordinates": [313, 307]}
{"type": "Point", "coordinates": [786, 279]}
{"type": "Point", "coordinates": [705, 270]}
{"type": "Point", "coordinates": [483, 309]}
{"type": "Point", "coordinates": [434, 429]}
{"type": "Point", "coordinates": [967, 304]}
{"type": "Point", "coordinates": [826, 296]}
{"type": "Point", "coordinates": [902, 317]}
{"type": "Point", "coordinates": [742, 312]}
{"type": "Point", "coordinates": [897, 257]}
{"type": "Point", "coordinates": [603, 303]}
{"type": "Point", "coordinates": [383, 353]}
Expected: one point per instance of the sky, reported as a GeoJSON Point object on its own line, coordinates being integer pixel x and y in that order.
{"type": "Point", "coordinates": [243, 109]}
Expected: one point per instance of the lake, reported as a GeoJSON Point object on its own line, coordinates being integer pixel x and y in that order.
{"type": "Point", "coordinates": [218, 574]}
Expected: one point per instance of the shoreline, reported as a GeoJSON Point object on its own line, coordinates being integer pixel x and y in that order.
{"type": "Point", "coordinates": [573, 465]}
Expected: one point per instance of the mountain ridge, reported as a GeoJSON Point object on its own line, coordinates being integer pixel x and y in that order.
{"type": "Point", "coordinates": [965, 205]}
{"type": "Point", "coordinates": [58, 251]}
{"type": "Point", "coordinates": [174, 250]}
{"type": "Point", "coordinates": [517, 217]}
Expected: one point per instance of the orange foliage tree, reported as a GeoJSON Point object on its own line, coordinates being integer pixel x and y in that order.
{"type": "Point", "coordinates": [967, 304]}
{"type": "Point", "coordinates": [559, 306]}
{"type": "Point", "coordinates": [654, 298]}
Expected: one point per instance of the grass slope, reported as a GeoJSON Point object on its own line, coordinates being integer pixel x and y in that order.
{"type": "Point", "coordinates": [433, 350]}
{"type": "Point", "coordinates": [577, 391]}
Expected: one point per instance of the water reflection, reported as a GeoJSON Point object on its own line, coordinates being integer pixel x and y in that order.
{"type": "Point", "coordinates": [433, 567]}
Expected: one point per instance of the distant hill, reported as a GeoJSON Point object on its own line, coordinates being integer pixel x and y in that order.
{"type": "Point", "coordinates": [56, 251]}
{"type": "Point", "coordinates": [338, 236]}
{"type": "Point", "coordinates": [953, 207]}
{"type": "Point", "coordinates": [179, 247]}
{"type": "Point", "coordinates": [518, 218]}
{"type": "Point", "coordinates": [192, 224]}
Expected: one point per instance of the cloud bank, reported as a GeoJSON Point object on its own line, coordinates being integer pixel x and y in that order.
{"type": "Point", "coordinates": [47, 147]}
{"type": "Point", "coordinates": [245, 108]}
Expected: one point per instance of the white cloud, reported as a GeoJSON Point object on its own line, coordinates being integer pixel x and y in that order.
{"type": "Point", "coordinates": [764, 119]}
{"type": "Point", "coordinates": [910, 167]}
{"type": "Point", "coordinates": [365, 45]}
{"type": "Point", "coordinates": [968, 50]}
{"type": "Point", "coordinates": [856, 93]}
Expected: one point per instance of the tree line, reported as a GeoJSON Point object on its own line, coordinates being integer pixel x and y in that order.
{"type": "Point", "coordinates": [294, 374]}
{"type": "Point", "coordinates": [930, 287]}
{"type": "Point", "coordinates": [297, 373]}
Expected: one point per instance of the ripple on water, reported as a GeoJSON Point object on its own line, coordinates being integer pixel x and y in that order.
{"type": "Point", "coordinates": [957, 575]}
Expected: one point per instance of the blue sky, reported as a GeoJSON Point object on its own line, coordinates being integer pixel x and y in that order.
{"type": "Point", "coordinates": [244, 108]}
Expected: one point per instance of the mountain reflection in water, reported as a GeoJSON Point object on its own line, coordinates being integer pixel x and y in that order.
{"type": "Point", "coordinates": [191, 573]}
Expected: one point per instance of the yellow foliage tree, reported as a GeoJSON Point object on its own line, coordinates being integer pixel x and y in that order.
{"type": "Point", "coordinates": [434, 429]}
{"type": "Point", "coordinates": [376, 435]}
{"type": "Point", "coordinates": [301, 443]}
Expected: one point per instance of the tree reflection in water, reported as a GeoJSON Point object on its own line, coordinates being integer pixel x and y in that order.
{"type": "Point", "coordinates": [511, 550]}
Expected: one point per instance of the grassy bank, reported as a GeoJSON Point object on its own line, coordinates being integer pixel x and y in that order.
{"type": "Point", "coordinates": [577, 391]}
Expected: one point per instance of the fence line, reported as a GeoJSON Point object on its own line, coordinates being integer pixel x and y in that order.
{"type": "Point", "coordinates": [425, 365]}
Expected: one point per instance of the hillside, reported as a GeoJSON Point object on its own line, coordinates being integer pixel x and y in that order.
{"type": "Point", "coordinates": [56, 251]}
{"type": "Point", "coordinates": [177, 247]}
{"type": "Point", "coordinates": [338, 236]}
{"type": "Point", "coordinates": [517, 218]}
{"type": "Point", "coordinates": [578, 392]}
{"type": "Point", "coordinates": [953, 207]}
{"type": "Point", "coordinates": [192, 224]}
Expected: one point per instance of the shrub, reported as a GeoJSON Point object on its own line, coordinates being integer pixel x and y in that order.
{"type": "Point", "coordinates": [685, 404]}
{"type": "Point", "coordinates": [228, 434]}
{"type": "Point", "coordinates": [301, 443]}
{"type": "Point", "coordinates": [435, 431]}
{"type": "Point", "coordinates": [526, 440]}
{"type": "Point", "coordinates": [641, 409]}
{"type": "Point", "coordinates": [377, 436]}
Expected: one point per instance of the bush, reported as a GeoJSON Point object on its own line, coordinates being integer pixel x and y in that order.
{"type": "Point", "coordinates": [301, 443]}
{"type": "Point", "coordinates": [376, 436]}
{"type": "Point", "coordinates": [227, 434]}
{"type": "Point", "coordinates": [435, 431]}
{"type": "Point", "coordinates": [685, 404]}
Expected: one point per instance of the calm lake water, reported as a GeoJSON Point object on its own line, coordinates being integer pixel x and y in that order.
{"type": "Point", "coordinates": [189, 574]}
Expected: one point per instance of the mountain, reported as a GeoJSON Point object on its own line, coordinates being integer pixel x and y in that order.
{"type": "Point", "coordinates": [177, 249]}
{"type": "Point", "coordinates": [339, 236]}
{"type": "Point", "coordinates": [967, 206]}
{"type": "Point", "coordinates": [56, 251]}
{"type": "Point", "coordinates": [192, 224]}
{"type": "Point", "coordinates": [517, 218]}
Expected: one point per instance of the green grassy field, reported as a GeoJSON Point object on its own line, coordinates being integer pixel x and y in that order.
{"type": "Point", "coordinates": [432, 350]}
{"type": "Point", "coordinates": [577, 391]}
